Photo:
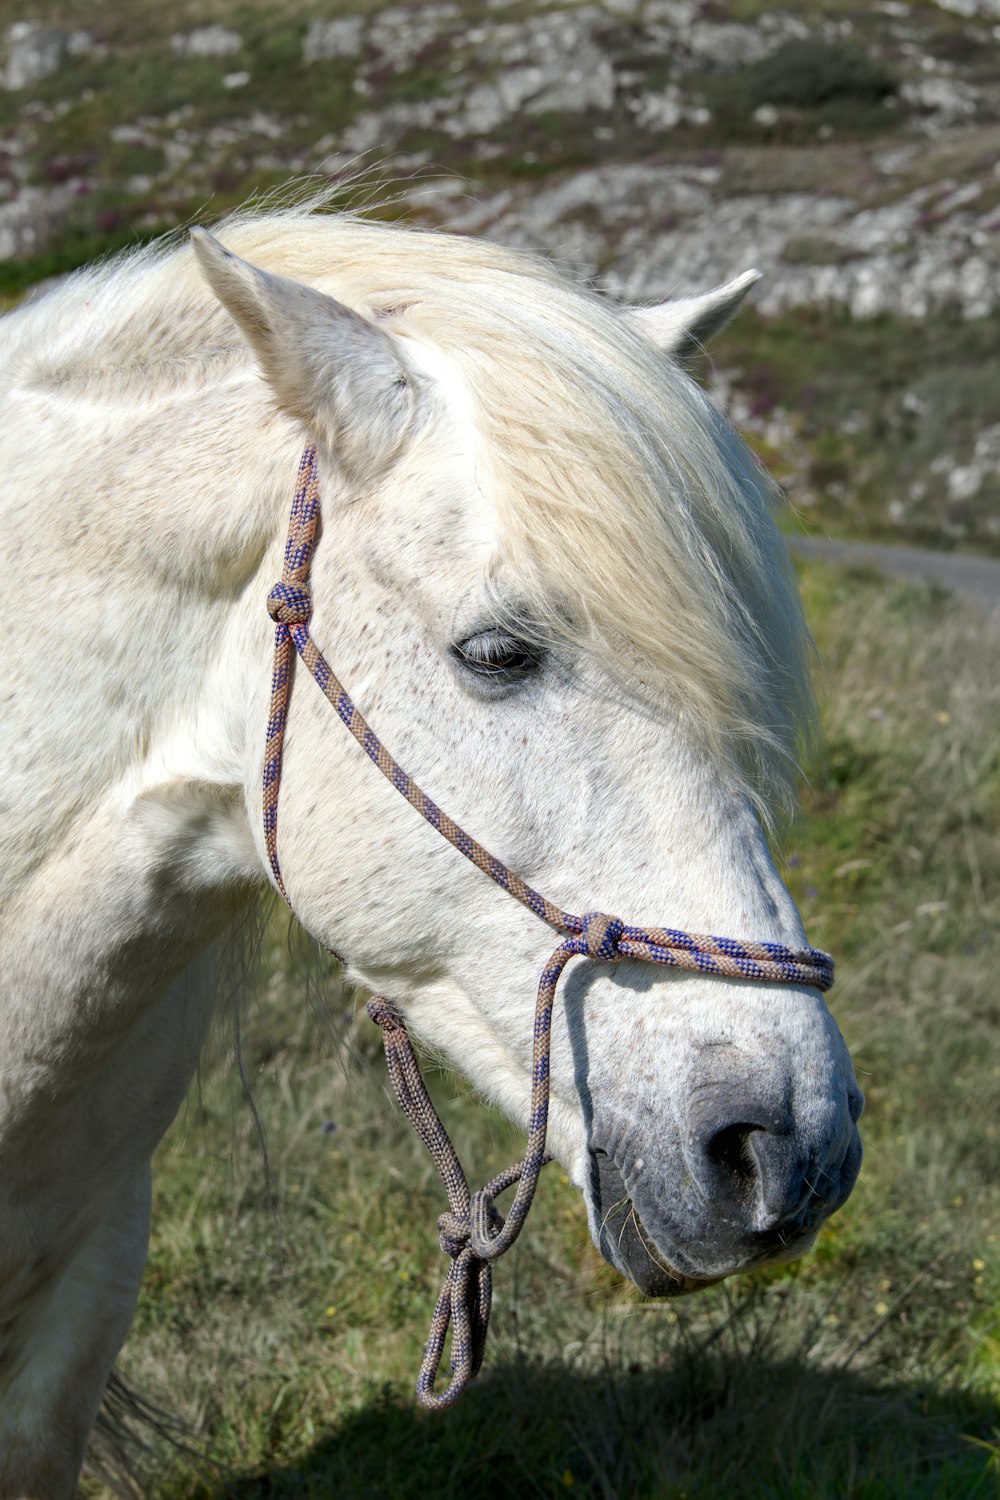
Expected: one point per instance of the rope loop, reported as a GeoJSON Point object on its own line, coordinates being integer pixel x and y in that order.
{"type": "Point", "coordinates": [485, 1224]}
{"type": "Point", "coordinates": [290, 603]}
{"type": "Point", "coordinates": [600, 936]}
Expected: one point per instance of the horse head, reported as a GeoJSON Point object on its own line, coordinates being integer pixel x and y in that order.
{"type": "Point", "coordinates": [549, 575]}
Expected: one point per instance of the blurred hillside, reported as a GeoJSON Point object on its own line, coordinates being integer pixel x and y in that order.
{"type": "Point", "coordinates": [848, 149]}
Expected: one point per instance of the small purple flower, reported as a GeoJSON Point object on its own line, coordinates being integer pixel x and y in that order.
{"type": "Point", "coordinates": [810, 891]}
{"type": "Point", "coordinates": [329, 1126]}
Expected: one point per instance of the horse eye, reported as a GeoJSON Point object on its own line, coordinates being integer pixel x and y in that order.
{"type": "Point", "coordinates": [497, 656]}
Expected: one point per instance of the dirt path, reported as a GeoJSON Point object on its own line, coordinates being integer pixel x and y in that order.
{"type": "Point", "coordinates": [976, 580]}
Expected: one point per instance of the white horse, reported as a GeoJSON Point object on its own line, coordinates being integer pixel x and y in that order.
{"type": "Point", "coordinates": [549, 576]}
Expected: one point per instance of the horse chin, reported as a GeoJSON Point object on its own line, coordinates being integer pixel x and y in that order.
{"type": "Point", "coordinates": [625, 1243]}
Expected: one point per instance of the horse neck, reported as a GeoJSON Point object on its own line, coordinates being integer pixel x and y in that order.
{"type": "Point", "coordinates": [143, 530]}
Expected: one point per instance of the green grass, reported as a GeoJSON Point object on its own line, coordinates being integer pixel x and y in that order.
{"type": "Point", "coordinates": [284, 1322]}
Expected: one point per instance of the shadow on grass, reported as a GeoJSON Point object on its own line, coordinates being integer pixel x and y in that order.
{"type": "Point", "coordinates": [726, 1426]}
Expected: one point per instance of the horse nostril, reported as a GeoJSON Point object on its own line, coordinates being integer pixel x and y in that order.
{"type": "Point", "coordinates": [752, 1170]}
{"type": "Point", "coordinates": [735, 1164]}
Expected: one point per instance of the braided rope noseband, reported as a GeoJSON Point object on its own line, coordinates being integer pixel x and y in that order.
{"type": "Point", "coordinates": [472, 1233]}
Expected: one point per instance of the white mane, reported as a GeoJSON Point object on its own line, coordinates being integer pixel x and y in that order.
{"type": "Point", "coordinates": [629, 511]}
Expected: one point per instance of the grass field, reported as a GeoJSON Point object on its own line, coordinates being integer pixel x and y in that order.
{"type": "Point", "coordinates": [283, 1322]}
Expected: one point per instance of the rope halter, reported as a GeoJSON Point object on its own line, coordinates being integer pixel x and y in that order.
{"type": "Point", "coordinates": [472, 1232]}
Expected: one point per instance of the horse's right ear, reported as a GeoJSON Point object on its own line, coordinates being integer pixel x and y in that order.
{"type": "Point", "coordinates": [684, 326]}
{"type": "Point", "coordinates": [342, 377]}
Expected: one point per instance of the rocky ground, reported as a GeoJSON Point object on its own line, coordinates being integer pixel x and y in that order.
{"type": "Point", "coordinates": [850, 150]}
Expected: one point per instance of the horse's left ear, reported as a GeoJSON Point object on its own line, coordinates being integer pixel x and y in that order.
{"type": "Point", "coordinates": [683, 327]}
{"type": "Point", "coordinates": [338, 374]}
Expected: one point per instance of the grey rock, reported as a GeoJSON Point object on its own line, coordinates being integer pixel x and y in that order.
{"type": "Point", "coordinates": [946, 100]}
{"type": "Point", "coordinates": [534, 90]}
{"type": "Point", "coordinates": [549, 63]}
{"type": "Point", "coordinates": [399, 33]}
{"type": "Point", "coordinates": [559, 37]}
{"type": "Point", "coordinates": [28, 221]}
{"type": "Point", "coordinates": [381, 129]}
{"type": "Point", "coordinates": [339, 38]}
{"type": "Point", "coordinates": [207, 41]}
{"type": "Point", "coordinates": [659, 111]}
{"type": "Point", "coordinates": [588, 83]}
{"type": "Point", "coordinates": [35, 51]}
{"type": "Point", "coordinates": [674, 27]}
{"type": "Point", "coordinates": [487, 105]}
{"type": "Point", "coordinates": [133, 135]}
{"type": "Point", "coordinates": [177, 152]}
{"type": "Point", "coordinates": [675, 13]}
{"type": "Point", "coordinates": [893, 258]}
{"type": "Point", "coordinates": [729, 45]}
{"type": "Point", "coordinates": [644, 230]}
{"type": "Point", "coordinates": [666, 110]}
{"type": "Point", "coordinates": [988, 8]}
{"type": "Point", "coordinates": [965, 480]}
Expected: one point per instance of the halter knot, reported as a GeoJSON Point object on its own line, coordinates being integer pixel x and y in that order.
{"type": "Point", "coordinates": [601, 935]}
{"type": "Point", "coordinates": [475, 1230]}
{"type": "Point", "coordinates": [290, 603]}
{"type": "Point", "coordinates": [453, 1233]}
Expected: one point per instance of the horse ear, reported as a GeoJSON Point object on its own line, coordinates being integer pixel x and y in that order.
{"type": "Point", "coordinates": [328, 367]}
{"type": "Point", "coordinates": [683, 327]}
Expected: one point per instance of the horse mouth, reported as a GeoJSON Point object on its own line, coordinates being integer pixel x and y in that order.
{"type": "Point", "coordinates": [625, 1243]}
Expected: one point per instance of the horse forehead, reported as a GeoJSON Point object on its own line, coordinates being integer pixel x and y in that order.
{"type": "Point", "coordinates": [443, 521]}
{"type": "Point", "coordinates": [447, 375]}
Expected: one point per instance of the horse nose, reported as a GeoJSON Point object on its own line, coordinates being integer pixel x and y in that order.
{"type": "Point", "coordinates": [755, 1169]}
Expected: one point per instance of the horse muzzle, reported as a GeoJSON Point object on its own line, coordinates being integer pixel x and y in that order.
{"type": "Point", "coordinates": [737, 1195]}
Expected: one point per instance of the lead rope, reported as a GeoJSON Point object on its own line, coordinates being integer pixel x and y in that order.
{"type": "Point", "coordinates": [467, 1293]}
{"type": "Point", "coordinates": [472, 1233]}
